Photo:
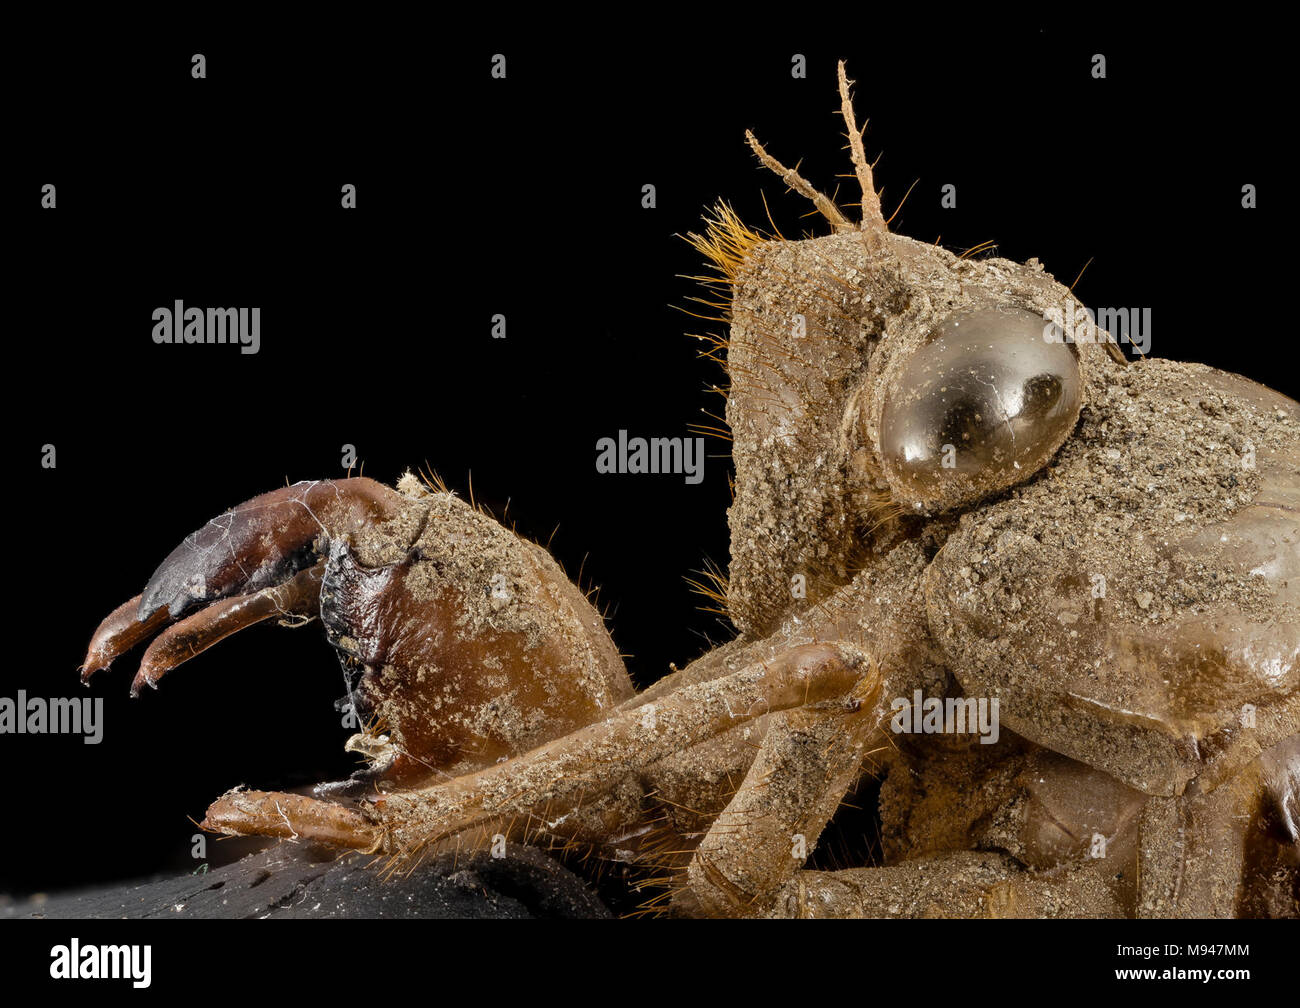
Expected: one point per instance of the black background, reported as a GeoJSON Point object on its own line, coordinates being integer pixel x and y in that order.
{"type": "Point", "coordinates": [523, 196]}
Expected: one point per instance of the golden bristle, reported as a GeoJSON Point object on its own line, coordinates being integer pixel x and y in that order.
{"type": "Point", "coordinates": [726, 243]}
{"type": "Point", "coordinates": [713, 585]}
{"type": "Point", "coordinates": [431, 479]}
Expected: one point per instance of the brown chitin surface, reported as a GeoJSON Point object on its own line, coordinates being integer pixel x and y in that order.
{"type": "Point", "coordinates": [1043, 810]}
{"type": "Point", "coordinates": [805, 402]}
{"type": "Point", "coordinates": [1270, 837]}
{"type": "Point", "coordinates": [789, 514]}
{"type": "Point", "coordinates": [960, 884]}
{"type": "Point", "coordinates": [1201, 560]}
{"type": "Point", "coordinates": [937, 797]}
{"type": "Point", "coordinates": [1232, 852]}
{"type": "Point", "coordinates": [946, 886]}
{"type": "Point", "coordinates": [291, 817]}
{"type": "Point", "coordinates": [478, 647]}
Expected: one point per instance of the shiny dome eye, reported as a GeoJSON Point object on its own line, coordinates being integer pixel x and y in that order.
{"type": "Point", "coordinates": [978, 408]}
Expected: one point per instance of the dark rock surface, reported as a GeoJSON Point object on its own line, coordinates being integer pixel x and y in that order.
{"type": "Point", "coordinates": [292, 880]}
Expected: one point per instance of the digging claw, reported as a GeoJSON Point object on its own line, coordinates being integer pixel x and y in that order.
{"type": "Point", "coordinates": [258, 561]}
{"type": "Point", "coordinates": [120, 632]}
{"type": "Point", "coordinates": [263, 542]}
{"type": "Point", "coordinates": [298, 597]}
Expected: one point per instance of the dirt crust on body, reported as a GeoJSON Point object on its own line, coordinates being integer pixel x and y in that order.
{"type": "Point", "coordinates": [1130, 603]}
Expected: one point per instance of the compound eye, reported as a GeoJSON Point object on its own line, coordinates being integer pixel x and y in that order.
{"type": "Point", "coordinates": [980, 407]}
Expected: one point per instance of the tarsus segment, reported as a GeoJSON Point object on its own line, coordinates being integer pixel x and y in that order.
{"type": "Point", "coordinates": [291, 817]}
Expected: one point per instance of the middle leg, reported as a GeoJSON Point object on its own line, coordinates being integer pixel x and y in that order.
{"type": "Point", "coordinates": [808, 760]}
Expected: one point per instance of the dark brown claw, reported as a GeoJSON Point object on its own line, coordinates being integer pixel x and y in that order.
{"type": "Point", "coordinates": [263, 542]}
{"type": "Point", "coordinates": [254, 562]}
{"type": "Point", "coordinates": [298, 597]}
{"type": "Point", "coordinates": [119, 632]}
